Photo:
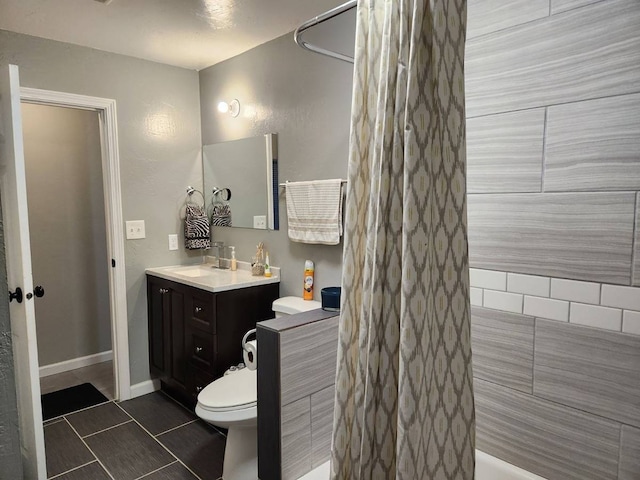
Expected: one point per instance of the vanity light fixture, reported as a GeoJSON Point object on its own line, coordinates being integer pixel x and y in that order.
{"type": "Point", "coordinates": [233, 107]}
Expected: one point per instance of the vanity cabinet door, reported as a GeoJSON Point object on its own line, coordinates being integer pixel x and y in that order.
{"type": "Point", "coordinates": [166, 330]}
{"type": "Point", "coordinates": [159, 306]}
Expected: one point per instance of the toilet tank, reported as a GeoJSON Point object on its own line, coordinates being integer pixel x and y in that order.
{"type": "Point", "coordinates": [290, 305]}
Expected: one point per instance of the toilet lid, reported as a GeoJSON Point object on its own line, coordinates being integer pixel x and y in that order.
{"type": "Point", "coordinates": [238, 389]}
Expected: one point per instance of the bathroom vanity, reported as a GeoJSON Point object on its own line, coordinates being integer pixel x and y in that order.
{"type": "Point", "coordinates": [197, 318]}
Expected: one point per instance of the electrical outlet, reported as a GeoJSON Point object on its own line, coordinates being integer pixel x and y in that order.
{"type": "Point", "coordinates": [260, 221]}
{"type": "Point", "coordinates": [173, 241]}
{"type": "Point", "coordinates": [135, 229]}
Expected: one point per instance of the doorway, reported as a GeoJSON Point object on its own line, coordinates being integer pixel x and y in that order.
{"type": "Point", "coordinates": [70, 261]}
{"type": "Point", "coordinates": [23, 292]}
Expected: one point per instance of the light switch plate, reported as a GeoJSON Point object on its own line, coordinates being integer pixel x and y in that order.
{"type": "Point", "coordinates": [135, 229]}
{"type": "Point", "coordinates": [260, 221]}
{"type": "Point", "coordinates": [173, 241]}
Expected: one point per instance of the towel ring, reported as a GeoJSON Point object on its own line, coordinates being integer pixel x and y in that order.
{"type": "Point", "coordinates": [225, 193]}
{"type": "Point", "coordinates": [191, 191]}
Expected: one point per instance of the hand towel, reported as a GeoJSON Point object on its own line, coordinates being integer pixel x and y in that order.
{"type": "Point", "coordinates": [197, 232]}
{"type": "Point", "coordinates": [314, 211]}
{"type": "Point", "coordinates": [221, 215]}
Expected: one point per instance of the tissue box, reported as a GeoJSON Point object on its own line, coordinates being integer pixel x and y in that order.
{"type": "Point", "coordinates": [330, 299]}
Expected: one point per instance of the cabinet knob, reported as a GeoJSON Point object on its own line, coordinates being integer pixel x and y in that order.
{"type": "Point", "coordinates": [198, 349]}
{"type": "Point", "coordinates": [199, 389]}
{"type": "Point", "coordinates": [198, 309]}
{"type": "Point", "coordinates": [164, 290]}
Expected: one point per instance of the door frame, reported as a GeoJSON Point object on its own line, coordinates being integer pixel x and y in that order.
{"type": "Point", "coordinates": [106, 109]}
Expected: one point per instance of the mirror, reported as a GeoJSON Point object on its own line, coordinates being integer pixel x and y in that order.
{"type": "Point", "coordinates": [241, 182]}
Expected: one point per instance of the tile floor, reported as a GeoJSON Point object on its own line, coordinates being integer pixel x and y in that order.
{"type": "Point", "coordinates": [100, 375]}
{"type": "Point", "coordinates": [150, 437]}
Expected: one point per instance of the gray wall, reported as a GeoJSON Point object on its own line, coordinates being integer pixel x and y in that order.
{"type": "Point", "coordinates": [304, 98]}
{"type": "Point", "coordinates": [10, 457]}
{"type": "Point", "coordinates": [159, 134]}
{"type": "Point", "coordinates": [553, 122]}
{"type": "Point", "coordinates": [68, 232]}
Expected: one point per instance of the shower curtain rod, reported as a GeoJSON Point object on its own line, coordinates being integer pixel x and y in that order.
{"type": "Point", "coordinates": [323, 17]}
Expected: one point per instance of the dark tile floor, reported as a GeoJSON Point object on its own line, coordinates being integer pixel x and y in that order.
{"type": "Point", "coordinates": [150, 437]}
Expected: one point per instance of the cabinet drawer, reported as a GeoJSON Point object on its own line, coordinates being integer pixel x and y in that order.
{"type": "Point", "coordinates": [200, 349]}
{"type": "Point", "coordinates": [202, 314]}
{"type": "Point", "coordinates": [197, 380]}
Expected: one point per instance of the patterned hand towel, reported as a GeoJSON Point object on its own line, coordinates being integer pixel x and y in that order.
{"type": "Point", "coordinates": [314, 211]}
{"type": "Point", "coordinates": [221, 215]}
{"type": "Point", "coordinates": [197, 233]}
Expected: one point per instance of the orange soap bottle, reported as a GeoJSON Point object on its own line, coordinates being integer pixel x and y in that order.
{"type": "Point", "coordinates": [307, 293]}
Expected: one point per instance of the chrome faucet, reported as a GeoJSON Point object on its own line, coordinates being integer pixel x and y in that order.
{"type": "Point", "coordinates": [218, 250]}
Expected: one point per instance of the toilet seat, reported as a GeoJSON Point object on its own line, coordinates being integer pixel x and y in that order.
{"type": "Point", "coordinates": [235, 391]}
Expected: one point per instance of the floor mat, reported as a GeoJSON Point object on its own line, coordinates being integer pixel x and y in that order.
{"type": "Point", "coordinates": [70, 400]}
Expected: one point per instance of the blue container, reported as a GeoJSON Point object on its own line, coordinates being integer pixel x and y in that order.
{"type": "Point", "coordinates": [330, 299]}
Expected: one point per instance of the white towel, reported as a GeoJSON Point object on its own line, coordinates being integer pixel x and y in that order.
{"type": "Point", "coordinates": [314, 211]}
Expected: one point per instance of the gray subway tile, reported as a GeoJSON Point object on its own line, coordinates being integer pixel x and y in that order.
{"type": "Point", "coordinates": [296, 439]}
{"type": "Point", "coordinates": [593, 145]}
{"type": "Point", "coordinates": [543, 437]}
{"type": "Point", "coordinates": [585, 53]}
{"type": "Point", "coordinates": [584, 236]}
{"type": "Point", "coordinates": [588, 368]}
{"type": "Point", "coordinates": [629, 454]}
{"type": "Point", "coordinates": [486, 16]}
{"type": "Point", "coordinates": [308, 359]}
{"type": "Point", "coordinates": [504, 152]}
{"type": "Point", "coordinates": [322, 425]}
{"type": "Point", "coordinates": [502, 345]}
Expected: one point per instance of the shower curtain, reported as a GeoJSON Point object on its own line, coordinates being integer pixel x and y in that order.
{"type": "Point", "coordinates": [404, 395]}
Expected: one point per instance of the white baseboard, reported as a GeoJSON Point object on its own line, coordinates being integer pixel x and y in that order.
{"type": "Point", "coordinates": [74, 363]}
{"type": "Point", "coordinates": [143, 388]}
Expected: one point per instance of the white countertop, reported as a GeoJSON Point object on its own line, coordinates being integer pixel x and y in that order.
{"type": "Point", "coordinates": [205, 277]}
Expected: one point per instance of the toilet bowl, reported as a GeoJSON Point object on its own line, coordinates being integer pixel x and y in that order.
{"type": "Point", "coordinates": [231, 402]}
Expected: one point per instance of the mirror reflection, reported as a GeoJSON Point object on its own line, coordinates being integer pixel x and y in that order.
{"type": "Point", "coordinates": [240, 182]}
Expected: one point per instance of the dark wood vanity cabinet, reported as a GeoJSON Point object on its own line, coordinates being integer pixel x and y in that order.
{"type": "Point", "coordinates": [195, 335]}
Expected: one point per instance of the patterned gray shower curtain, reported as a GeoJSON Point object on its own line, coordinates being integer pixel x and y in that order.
{"type": "Point", "coordinates": [404, 393]}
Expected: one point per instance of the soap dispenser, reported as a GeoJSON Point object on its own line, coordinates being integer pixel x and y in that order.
{"type": "Point", "coordinates": [234, 262]}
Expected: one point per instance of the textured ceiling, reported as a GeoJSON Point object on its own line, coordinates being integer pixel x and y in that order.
{"type": "Point", "coordinates": [192, 34]}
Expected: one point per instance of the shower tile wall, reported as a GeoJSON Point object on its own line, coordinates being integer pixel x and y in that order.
{"type": "Point", "coordinates": [553, 133]}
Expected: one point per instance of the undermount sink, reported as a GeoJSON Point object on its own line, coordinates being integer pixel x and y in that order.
{"type": "Point", "coordinates": [199, 271]}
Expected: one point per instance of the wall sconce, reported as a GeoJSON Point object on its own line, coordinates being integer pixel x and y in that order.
{"type": "Point", "coordinates": [233, 107]}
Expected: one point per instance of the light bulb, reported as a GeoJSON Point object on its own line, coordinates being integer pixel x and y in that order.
{"type": "Point", "coordinates": [223, 107]}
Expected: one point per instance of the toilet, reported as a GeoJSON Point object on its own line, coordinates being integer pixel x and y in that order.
{"type": "Point", "coordinates": [231, 402]}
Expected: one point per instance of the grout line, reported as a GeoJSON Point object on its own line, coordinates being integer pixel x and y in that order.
{"type": "Point", "coordinates": [634, 244]}
{"type": "Point", "coordinates": [157, 470]}
{"type": "Point", "coordinates": [106, 429]}
{"type": "Point", "coordinates": [620, 450]}
{"type": "Point", "coordinates": [92, 452]}
{"type": "Point", "coordinates": [537, 107]}
{"type": "Point", "coordinates": [543, 170]}
{"type": "Point", "coordinates": [72, 470]}
{"type": "Point", "coordinates": [175, 428]}
{"type": "Point", "coordinates": [159, 442]}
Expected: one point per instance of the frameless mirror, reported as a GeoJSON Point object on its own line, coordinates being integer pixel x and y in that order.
{"type": "Point", "coordinates": [241, 182]}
